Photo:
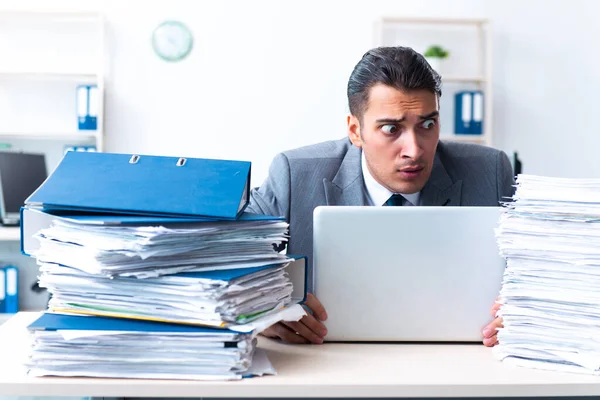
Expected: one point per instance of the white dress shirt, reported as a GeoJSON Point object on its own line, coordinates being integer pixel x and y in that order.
{"type": "Point", "coordinates": [378, 194]}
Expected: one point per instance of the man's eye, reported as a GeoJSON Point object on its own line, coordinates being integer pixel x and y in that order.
{"type": "Point", "coordinates": [389, 129]}
{"type": "Point", "coordinates": [430, 123]}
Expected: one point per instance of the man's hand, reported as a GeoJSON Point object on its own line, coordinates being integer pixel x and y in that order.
{"type": "Point", "coordinates": [490, 333]}
{"type": "Point", "coordinates": [308, 330]}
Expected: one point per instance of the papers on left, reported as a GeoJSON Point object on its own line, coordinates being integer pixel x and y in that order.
{"type": "Point", "coordinates": [65, 345]}
{"type": "Point", "coordinates": [160, 288]}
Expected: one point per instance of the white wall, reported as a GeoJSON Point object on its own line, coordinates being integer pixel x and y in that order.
{"type": "Point", "coordinates": [266, 76]}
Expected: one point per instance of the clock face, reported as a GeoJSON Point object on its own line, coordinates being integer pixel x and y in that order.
{"type": "Point", "coordinates": [172, 41]}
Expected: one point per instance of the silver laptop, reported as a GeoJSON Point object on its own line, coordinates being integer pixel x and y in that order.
{"type": "Point", "coordinates": [20, 175]}
{"type": "Point", "coordinates": [406, 273]}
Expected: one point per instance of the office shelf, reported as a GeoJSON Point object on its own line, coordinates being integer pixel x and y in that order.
{"type": "Point", "coordinates": [47, 54]}
{"type": "Point", "coordinates": [82, 135]}
{"type": "Point", "coordinates": [49, 75]}
{"type": "Point", "coordinates": [464, 138]}
{"type": "Point", "coordinates": [463, 79]}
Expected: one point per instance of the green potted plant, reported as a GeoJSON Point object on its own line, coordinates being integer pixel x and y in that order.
{"type": "Point", "coordinates": [434, 56]}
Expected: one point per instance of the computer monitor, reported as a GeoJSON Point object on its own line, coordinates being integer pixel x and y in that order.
{"type": "Point", "coordinates": [20, 175]}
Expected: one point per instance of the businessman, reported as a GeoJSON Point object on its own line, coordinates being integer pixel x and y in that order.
{"type": "Point", "coordinates": [391, 157]}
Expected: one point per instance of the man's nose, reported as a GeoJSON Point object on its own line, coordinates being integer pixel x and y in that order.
{"type": "Point", "coordinates": [410, 145]}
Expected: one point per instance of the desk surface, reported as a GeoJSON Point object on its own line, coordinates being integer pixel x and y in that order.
{"type": "Point", "coordinates": [330, 370]}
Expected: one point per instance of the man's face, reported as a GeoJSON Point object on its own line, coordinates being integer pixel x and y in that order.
{"type": "Point", "coordinates": [398, 134]}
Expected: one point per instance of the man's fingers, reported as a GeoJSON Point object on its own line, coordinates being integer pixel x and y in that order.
{"type": "Point", "coordinates": [495, 309]}
{"type": "Point", "coordinates": [304, 331]}
{"type": "Point", "coordinates": [269, 332]}
{"type": "Point", "coordinates": [491, 341]}
{"type": "Point", "coordinates": [287, 335]}
{"type": "Point", "coordinates": [314, 325]}
{"type": "Point", "coordinates": [317, 308]}
{"type": "Point", "coordinates": [492, 328]}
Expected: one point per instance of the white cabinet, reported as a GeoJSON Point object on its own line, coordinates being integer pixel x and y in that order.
{"type": "Point", "coordinates": [46, 56]}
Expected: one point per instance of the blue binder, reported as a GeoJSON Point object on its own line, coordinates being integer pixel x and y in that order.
{"type": "Point", "coordinates": [146, 185]}
{"type": "Point", "coordinates": [87, 107]}
{"type": "Point", "coordinates": [477, 123]}
{"type": "Point", "coordinates": [468, 118]}
{"type": "Point", "coordinates": [463, 112]}
{"type": "Point", "coordinates": [11, 301]}
{"type": "Point", "coordinates": [53, 322]}
{"type": "Point", "coordinates": [2, 289]}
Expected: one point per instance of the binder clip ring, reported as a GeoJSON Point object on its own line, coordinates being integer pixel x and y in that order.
{"type": "Point", "coordinates": [134, 159]}
{"type": "Point", "coordinates": [181, 162]}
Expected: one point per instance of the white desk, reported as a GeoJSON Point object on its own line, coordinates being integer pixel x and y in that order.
{"type": "Point", "coordinates": [331, 370]}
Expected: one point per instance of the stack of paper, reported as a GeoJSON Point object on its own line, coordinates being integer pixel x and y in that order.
{"type": "Point", "coordinates": [550, 295]}
{"type": "Point", "coordinates": [104, 347]}
{"type": "Point", "coordinates": [212, 298]}
{"type": "Point", "coordinates": [217, 274]}
{"type": "Point", "coordinates": [133, 248]}
{"type": "Point", "coordinates": [143, 250]}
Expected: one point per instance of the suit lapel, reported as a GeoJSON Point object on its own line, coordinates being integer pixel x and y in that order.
{"type": "Point", "coordinates": [347, 187]}
{"type": "Point", "coordinates": [439, 189]}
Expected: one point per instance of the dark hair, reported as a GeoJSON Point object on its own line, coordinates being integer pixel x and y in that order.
{"type": "Point", "coordinates": [399, 67]}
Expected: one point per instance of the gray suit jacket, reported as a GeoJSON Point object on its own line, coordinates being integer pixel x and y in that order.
{"type": "Point", "coordinates": [330, 173]}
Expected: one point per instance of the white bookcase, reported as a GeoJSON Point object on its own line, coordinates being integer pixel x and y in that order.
{"type": "Point", "coordinates": [468, 66]}
{"type": "Point", "coordinates": [45, 57]}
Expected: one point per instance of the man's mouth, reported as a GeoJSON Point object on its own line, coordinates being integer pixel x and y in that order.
{"type": "Point", "coordinates": [410, 172]}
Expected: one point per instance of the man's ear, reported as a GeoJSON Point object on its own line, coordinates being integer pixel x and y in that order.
{"type": "Point", "coordinates": [354, 130]}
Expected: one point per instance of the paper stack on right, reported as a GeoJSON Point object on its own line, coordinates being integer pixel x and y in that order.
{"type": "Point", "coordinates": [550, 297]}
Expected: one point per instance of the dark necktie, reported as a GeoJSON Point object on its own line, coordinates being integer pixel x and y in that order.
{"type": "Point", "coordinates": [395, 200]}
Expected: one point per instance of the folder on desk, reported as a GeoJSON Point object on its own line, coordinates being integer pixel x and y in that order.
{"type": "Point", "coordinates": [54, 322]}
{"type": "Point", "coordinates": [146, 185]}
{"type": "Point", "coordinates": [66, 345]}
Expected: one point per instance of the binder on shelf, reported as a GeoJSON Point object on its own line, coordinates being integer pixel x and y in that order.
{"type": "Point", "coordinates": [80, 148]}
{"type": "Point", "coordinates": [2, 290]}
{"type": "Point", "coordinates": [11, 300]}
{"type": "Point", "coordinates": [87, 107]}
{"type": "Point", "coordinates": [476, 125]}
{"type": "Point", "coordinates": [146, 185]}
{"type": "Point", "coordinates": [463, 111]}
{"type": "Point", "coordinates": [469, 112]}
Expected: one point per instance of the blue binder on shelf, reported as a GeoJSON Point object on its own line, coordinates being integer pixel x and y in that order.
{"type": "Point", "coordinates": [468, 119]}
{"type": "Point", "coordinates": [87, 107]}
{"type": "Point", "coordinates": [146, 185]}
{"type": "Point", "coordinates": [2, 289]}
{"type": "Point", "coordinates": [11, 300]}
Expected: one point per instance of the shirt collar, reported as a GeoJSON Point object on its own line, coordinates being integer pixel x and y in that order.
{"type": "Point", "coordinates": [378, 194]}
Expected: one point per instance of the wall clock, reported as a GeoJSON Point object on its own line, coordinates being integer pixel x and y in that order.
{"type": "Point", "coordinates": [172, 41]}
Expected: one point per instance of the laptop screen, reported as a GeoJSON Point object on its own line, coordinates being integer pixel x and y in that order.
{"type": "Point", "coordinates": [20, 175]}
